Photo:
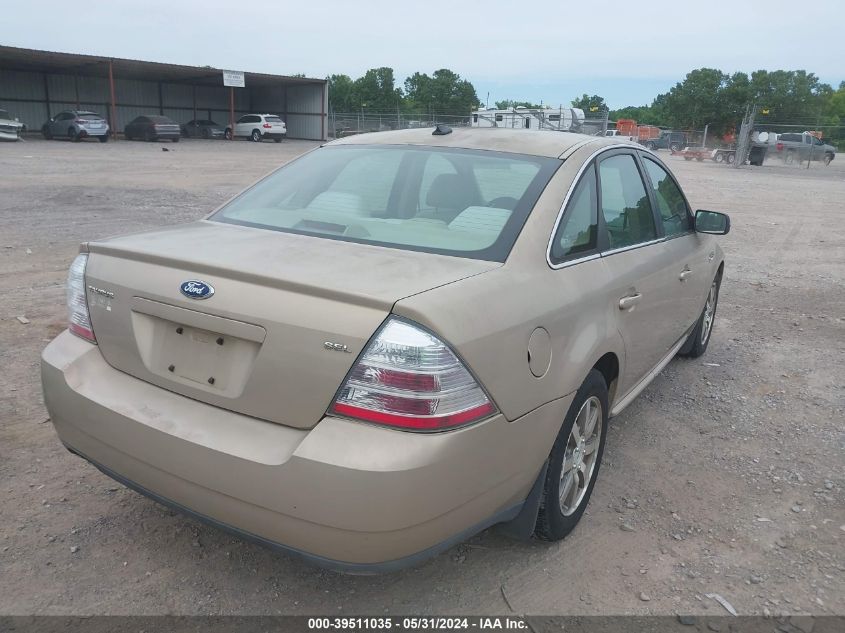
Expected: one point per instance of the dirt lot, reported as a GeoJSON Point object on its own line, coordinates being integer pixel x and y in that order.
{"type": "Point", "coordinates": [726, 476]}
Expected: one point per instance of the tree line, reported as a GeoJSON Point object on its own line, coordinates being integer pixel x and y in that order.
{"type": "Point", "coordinates": [442, 92]}
{"type": "Point", "coordinates": [706, 96]}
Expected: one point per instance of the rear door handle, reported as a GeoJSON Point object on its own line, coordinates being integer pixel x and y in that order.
{"type": "Point", "coordinates": [686, 272]}
{"type": "Point", "coordinates": [629, 301]}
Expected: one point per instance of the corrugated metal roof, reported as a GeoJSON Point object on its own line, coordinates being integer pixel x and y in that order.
{"type": "Point", "coordinates": [92, 65]}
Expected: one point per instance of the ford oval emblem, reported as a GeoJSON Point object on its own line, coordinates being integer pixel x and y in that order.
{"type": "Point", "coordinates": [196, 289]}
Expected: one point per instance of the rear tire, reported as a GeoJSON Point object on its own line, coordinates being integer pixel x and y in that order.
{"type": "Point", "coordinates": [256, 136]}
{"type": "Point", "coordinates": [277, 140]}
{"type": "Point", "coordinates": [719, 158]}
{"type": "Point", "coordinates": [45, 131]}
{"type": "Point", "coordinates": [651, 146]}
{"type": "Point", "coordinates": [175, 140]}
{"type": "Point", "coordinates": [699, 338]}
{"type": "Point", "coordinates": [827, 159]}
{"type": "Point", "coordinates": [574, 463]}
{"type": "Point", "coordinates": [730, 159]}
{"type": "Point", "coordinates": [104, 138]}
{"type": "Point", "coordinates": [674, 147]}
{"type": "Point", "coordinates": [148, 136]}
{"type": "Point", "coordinates": [790, 157]}
{"type": "Point", "coordinates": [228, 134]}
{"type": "Point", "coordinates": [72, 135]}
{"type": "Point", "coordinates": [205, 133]}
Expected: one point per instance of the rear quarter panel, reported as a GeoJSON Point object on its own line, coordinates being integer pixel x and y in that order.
{"type": "Point", "coordinates": [489, 318]}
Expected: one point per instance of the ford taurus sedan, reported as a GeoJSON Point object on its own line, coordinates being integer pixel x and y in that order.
{"type": "Point", "coordinates": [389, 344]}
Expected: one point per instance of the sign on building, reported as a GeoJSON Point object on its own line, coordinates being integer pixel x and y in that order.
{"type": "Point", "coordinates": [234, 78]}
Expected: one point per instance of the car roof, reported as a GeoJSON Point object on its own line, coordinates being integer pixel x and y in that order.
{"type": "Point", "coordinates": [533, 142]}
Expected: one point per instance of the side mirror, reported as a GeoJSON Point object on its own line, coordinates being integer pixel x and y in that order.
{"type": "Point", "coordinates": [712, 222]}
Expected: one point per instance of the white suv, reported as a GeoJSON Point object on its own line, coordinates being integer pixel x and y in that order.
{"type": "Point", "coordinates": [257, 127]}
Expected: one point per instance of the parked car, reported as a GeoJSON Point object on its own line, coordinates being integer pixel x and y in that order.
{"type": "Point", "coordinates": [257, 127]}
{"type": "Point", "coordinates": [390, 343]}
{"type": "Point", "coordinates": [10, 128]}
{"type": "Point", "coordinates": [793, 146]}
{"type": "Point", "coordinates": [203, 128]}
{"type": "Point", "coordinates": [673, 141]}
{"type": "Point", "coordinates": [152, 127]}
{"type": "Point", "coordinates": [76, 125]}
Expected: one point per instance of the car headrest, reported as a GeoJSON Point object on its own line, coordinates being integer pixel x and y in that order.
{"type": "Point", "coordinates": [450, 191]}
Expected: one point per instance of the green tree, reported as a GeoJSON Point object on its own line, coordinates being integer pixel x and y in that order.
{"type": "Point", "coordinates": [377, 91]}
{"type": "Point", "coordinates": [341, 93]}
{"type": "Point", "coordinates": [443, 92]}
{"type": "Point", "coordinates": [587, 103]}
{"type": "Point", "coordinates": [698, 101]}
{"type": "Point", "coordinates": [507, 103]}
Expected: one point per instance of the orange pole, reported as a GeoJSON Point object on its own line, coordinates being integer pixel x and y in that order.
{"type": "Point", "coordinates": [113, 108]}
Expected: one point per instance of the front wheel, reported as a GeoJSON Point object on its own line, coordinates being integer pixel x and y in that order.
{"type": "Point", "coordinates": [228, 134]}
{"type": "Point", "coordinates": [574, 461]}
{"type": "Point", "coordinates": [256, 136]}
{"type": "Point", "coordinates": [699, 338]}
{"type": "Point", "coordinates": [719, 157]}
{"type": "Point", "coordinates": [827, 159]}
{"type": "Point", "coordinates": [651, 146]}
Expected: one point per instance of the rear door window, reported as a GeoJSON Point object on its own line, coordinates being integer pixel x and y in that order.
{"type": "Point", "coordinates": [624, 202]}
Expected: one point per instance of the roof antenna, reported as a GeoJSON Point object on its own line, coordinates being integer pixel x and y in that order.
{"type": "Point", "coordinates": [441, 130]}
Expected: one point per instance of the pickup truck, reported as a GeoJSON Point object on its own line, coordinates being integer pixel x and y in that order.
{"type": "Point", "coordinates": [801, 147]}
{"type": "Point", "coordinates": [674, 141]}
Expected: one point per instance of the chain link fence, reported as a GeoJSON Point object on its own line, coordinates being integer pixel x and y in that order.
{"type": "Point", "coordinates": [349, 123]}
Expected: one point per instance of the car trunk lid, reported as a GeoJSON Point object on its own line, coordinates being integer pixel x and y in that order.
{"type": "Point", "coordinates": [283, 320]}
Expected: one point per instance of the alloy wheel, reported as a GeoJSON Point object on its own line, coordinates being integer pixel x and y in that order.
{"type": "Point", "coordinates": [709, 313]}
{"type": "Point", "coordinates": [580, 456]}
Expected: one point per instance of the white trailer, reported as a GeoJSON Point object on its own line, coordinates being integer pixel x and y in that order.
{"type": "Point", "coordinates": [558, 119]}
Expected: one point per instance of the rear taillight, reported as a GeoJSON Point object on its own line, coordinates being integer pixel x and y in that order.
{"type": "Point", "coordinates": [82, 121]}
{"type": "Point", "coordinates": [409, 379]}
{"type": "Point", "coordinates": [79, 322]}
{"type": "Point", "coordinates": [267, 125]}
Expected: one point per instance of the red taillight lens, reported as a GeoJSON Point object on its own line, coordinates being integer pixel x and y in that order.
{"type": "Point", "coordinates": [407, 378]}
{"type": "Point", "coordinates": [79, 321]}
{"type": "Point", "coordinates": [267, 125]}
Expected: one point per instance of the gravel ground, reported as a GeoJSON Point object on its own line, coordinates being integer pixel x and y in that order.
{"type": "Point", "coordinates": [725, 477]}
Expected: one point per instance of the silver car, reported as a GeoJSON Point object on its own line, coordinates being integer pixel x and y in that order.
{"type": "Point", "coordinates": [76, 125]}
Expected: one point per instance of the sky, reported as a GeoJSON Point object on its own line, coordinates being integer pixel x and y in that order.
{"type": "Point", "coordinates": [551, 51]}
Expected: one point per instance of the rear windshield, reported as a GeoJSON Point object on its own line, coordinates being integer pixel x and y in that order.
{"type": "Point", "coordinates": [440, 200]}
{"type": "Point", "coordinates": [89, 115]}
{"type": "Point", "coordinates": [273, 119]}
{"type": "Point", "coordinates": [160, 119]}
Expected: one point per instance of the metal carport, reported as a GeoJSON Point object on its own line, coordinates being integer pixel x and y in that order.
{"type": "Point", "coordinates": [35, 85]}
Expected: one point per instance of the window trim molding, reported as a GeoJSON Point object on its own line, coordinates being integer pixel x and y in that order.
{"type": "Point", "coordinates": [601, 253]}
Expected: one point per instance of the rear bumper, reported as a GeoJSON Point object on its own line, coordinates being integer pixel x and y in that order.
{"type": "Point", "coordinates": [275, 135]}
{"type": "Point", "coordinates": [83, 131]}
{"type": "Point", "coordinates": [345, 495]}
